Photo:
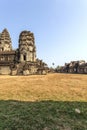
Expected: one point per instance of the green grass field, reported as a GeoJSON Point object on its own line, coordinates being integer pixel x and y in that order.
{"type": "Point", "coordinates": [43, 102]}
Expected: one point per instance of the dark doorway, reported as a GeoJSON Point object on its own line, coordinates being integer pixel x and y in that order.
{"type": "Point", "coordinates": [24, 57]}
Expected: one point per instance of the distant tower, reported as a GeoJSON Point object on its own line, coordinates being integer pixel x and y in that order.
{"type": "Point", "coordinates": [5, 41]}
{"type": "Point", "coordinates": [27, 47]}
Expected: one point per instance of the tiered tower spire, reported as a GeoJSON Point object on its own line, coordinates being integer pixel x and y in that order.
{"type": "Point", "coordinates": [5, 41]}
{"type": "Point", "coordinates": [27, 47]}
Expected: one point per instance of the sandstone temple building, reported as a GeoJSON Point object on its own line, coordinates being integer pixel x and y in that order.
{"type": "Point", "coordinates": [21, 61]}
{"type": "Point", "coordinates": [77, 67]}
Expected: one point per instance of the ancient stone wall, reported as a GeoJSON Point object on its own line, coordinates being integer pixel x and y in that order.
{"type": "Point", "coordinates": [74, 67]}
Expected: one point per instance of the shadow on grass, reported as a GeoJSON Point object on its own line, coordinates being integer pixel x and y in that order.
{"type": "Point", "coordinates": [43, 115]}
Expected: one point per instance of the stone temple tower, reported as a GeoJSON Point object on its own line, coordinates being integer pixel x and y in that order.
{"type": "Point", "coordinates": [27, 48]}
{"type": "Point", "coordinates": [5, 41]}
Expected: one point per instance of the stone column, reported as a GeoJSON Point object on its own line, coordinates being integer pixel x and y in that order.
{"type": "Point", "coordinates": [31, 56]}
{"type": "Point", "coordinates": [21, 57]}
{"type": "Point", "coordinates": [27, 56]}
{"type": "Point", "coordinates": [34, 56]}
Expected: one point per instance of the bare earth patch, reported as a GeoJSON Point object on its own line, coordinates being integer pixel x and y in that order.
{"type": "Point", "coordinates": [65, 87]}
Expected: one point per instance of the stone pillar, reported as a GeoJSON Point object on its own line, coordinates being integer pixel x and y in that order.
{"type": "Point", "coordinates": [34, 56]}
{"type": "Point", "coordinates": [21, 58]}
{"type": "Point", "coordinates": [27, 57]}
{"type": "Point", "coordinates": [31, 56]}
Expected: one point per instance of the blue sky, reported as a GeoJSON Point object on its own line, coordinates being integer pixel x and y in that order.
{"type": "Point", "coordinates": [59, 26]}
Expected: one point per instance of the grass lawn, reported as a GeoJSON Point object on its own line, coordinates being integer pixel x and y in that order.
{"type": "Point", "coordinates": [43, 102]}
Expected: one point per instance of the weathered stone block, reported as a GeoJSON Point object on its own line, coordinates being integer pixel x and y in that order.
{"type": "Point", "coordinates": [5, 70]}
{"type": "Point", "coordinates": [26, 72]}
{"type": "Point", "coordinates": [14, 72]}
